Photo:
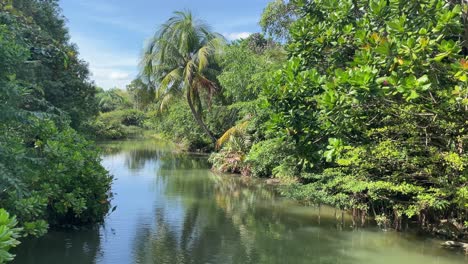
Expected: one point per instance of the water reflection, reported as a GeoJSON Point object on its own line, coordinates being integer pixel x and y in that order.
{"type": "Point", "coordinates": [172, 209]}
{"type": "Point", "coordinates": [230, 220]}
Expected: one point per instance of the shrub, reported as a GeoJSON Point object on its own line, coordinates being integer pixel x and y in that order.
{"type": "Point", "coordinates": [118, 124]}
{"type": "Point", "coordinates": [61, 180]}
{"type": "Point", "coordinates": [132, 117]}
{"type": "Point", "coordinates": [375, 98]}
{"type": "Point", "coordinates": [269, 157]}
{"type": "Point", "coordinates": [177, 123]}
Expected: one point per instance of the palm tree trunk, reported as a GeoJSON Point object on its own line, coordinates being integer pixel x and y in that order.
{"type": "Point", "coordinates": [199, 119]}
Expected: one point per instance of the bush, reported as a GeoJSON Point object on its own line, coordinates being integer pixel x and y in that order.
{"type": "Point", "coordinates": [375, 98]}
{"type": "Point", "coordinates": [118, 124]}
{"type": "Point", "coordinates": [177, 123]}
{"type": "Point", "coordinates": [60, 180]}
{"type": "Point", "coordinates": [270, 157]}
{"type": "Point", "coordinates": [132, 117]}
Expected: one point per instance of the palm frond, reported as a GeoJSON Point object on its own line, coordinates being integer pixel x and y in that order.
{"type": "Point", "coordinates": [235, 130]}
{"type": "Point", "coordinates": [169, 81]}
{"type": "Point", "coordinates": [165, 101]}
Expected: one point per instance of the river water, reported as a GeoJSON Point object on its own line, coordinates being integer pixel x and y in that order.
{"type": "Point", "coordinates": [172, 209]}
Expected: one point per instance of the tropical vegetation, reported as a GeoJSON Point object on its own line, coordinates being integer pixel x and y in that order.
{"type": "Point", "coordinates": [361, 105]}
{"type": "Point", "coordinates": [355, 104]}
{"type": "Point", "coordinates": [179, 59]}
{"type": "Point", "coordinates": [50, 175]}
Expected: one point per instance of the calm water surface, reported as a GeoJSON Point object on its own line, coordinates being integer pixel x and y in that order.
{"type": "Point", "coordinates": [172, 209]}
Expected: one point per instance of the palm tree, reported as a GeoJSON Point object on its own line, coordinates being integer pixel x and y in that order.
{"type": "Point", "coordinates": [109, 100]}
{"type": "Point", "coordinates": [179, 59]}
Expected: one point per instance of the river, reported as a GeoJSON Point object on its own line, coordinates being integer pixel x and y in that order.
{"type": "Point", "coordinates": [172, 209]}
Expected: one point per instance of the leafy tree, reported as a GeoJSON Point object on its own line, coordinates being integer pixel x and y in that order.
{"type": "Point", "coordinates": [49, 174]}
{"type": "Point", "coordinates": [36, 147]}
{"type": "Point", "coordinates": [245, 66]}
{"type": "Point", "coordinates": [277, 18]}
{"type": "Point", "coordinates": [375, 99]}
{"type": "Point", "coordinates": [142, 95]}
{"type": "Point", "coordinates": [56, 74]}
{"type": "Point", "coordinates": [258, 44]}
{"type": "Point", "coordinates": [180, 59]}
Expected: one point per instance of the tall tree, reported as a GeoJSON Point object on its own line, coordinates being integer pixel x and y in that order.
{"type": "Point", "coordinates": [141, 94]}
{"type": "Point", "coordinates": [179, 60]}
{"type": "Point", "coordinates": [277, 18]}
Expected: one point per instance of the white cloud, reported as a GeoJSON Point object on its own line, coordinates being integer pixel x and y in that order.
{"type": "Point", "coordinates": [109, 67]}
{"type": "Point", "coordinates": [237, 35]}
{"type": "Point", "coordinates": [111, 77]}
{"type": "Point", "coordinates": [119, 75]}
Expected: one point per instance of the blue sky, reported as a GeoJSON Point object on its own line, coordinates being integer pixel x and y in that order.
{"type": "Point", "coordinates": [110, 34]}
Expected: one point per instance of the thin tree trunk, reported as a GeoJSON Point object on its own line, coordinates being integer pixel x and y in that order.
{"type": "Point", "coordinates": [199, 119]}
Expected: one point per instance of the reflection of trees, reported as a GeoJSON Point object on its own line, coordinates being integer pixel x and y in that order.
{"type": "Point", "coordinates": [137, 159]}
{"type": "Point", "coordinates": [224, 219]}
{"type": "Point", "coordinates": [139, 153]}
{"type": "Point", "coordinates": [60, 247]}
{"type": "Point", "coordinates": [266, 228]}
{"type": "Point", "coordinates": [182, 161]}
{"type": "Point", "coordinates": [206, 218]}
{"type": "Point", "coordinates": [229, 219]}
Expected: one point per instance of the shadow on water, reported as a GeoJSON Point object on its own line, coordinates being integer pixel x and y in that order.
{"type": "Point", "coordinates": [76, 247]}
{"type": "Point", "coordinates": [172, 209]}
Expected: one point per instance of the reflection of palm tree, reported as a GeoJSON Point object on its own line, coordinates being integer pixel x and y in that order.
{"type": "Point", "coordinates": [190, 221]}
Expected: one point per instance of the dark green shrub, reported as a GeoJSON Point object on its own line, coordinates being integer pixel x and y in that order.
{"type": "Point", "coordinates": [66, 184]}
{"type": "Point", "coordinates": [269, 157]}
{"type": "Point", "coordinates": [178, 124]}
{"type": "Point", "coordinates": [118, 124]}
{"type": "Point", "coordinates": [132, 117]}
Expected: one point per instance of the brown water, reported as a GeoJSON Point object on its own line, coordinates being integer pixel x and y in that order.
{"type": "Point", "coordinates": [172, 209]}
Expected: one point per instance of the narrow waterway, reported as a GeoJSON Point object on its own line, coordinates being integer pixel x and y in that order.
{"type": "Point", "coordinates": [172, 209]}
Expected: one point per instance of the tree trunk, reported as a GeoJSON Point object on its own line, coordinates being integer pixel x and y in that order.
{"type": "Point", "coordinates": [199, 119]}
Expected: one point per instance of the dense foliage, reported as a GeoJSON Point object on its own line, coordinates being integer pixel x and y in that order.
{"type": "Point", "coordinates": [49, 174]}
{"type": "Point", "coordinates": [374, 98]}
{"type": "Point", "coordinates": [57, 74]}
{"type": "Point", "coordinates": [119, 116]}
{"type": "Point", "coordinates": [356, 104]}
